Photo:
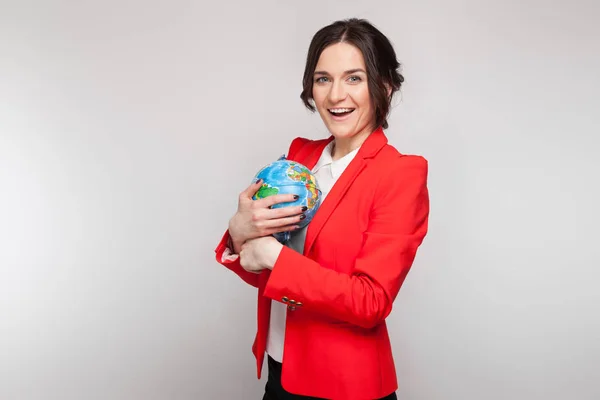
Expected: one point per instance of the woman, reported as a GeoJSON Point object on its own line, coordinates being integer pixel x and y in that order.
{"type": "Point", "coordinates": [325, 296]}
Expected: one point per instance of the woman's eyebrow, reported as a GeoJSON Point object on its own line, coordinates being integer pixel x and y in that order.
{"type": "Point", "coordinates": [355, 70]}
{"type": "Point", "coordinates": [350, 71]}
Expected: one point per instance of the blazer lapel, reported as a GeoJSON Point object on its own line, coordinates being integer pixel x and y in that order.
{"type": "Point", "coordinates": [309, 160]}
{"type": "Point", "coordinates": [369, 148]}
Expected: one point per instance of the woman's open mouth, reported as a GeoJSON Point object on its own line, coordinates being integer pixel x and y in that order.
{"type": "Point", "coordinates": [340, 114]}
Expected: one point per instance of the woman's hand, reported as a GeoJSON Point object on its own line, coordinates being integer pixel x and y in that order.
{"type": "Point", "coordinates": [255, 218]}
{"type": "Point", "coordinates": [259, 254]}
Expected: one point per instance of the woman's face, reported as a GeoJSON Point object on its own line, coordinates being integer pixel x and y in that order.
{"type": "Point", "coordinates": [341, 92]}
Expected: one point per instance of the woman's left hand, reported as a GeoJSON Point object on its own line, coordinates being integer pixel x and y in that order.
{"type": "Point", "coordinates": [259, 254]}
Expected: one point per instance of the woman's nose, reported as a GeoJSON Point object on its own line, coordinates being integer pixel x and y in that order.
{"type": "Point", "coordinates": [337, 92]}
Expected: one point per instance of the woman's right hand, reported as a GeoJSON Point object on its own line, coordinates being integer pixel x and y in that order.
{"type": "Point", "coordinates": [255, 218]}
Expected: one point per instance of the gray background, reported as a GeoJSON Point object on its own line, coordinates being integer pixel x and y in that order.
{"type": "Point", "coordinates": [129, 127]}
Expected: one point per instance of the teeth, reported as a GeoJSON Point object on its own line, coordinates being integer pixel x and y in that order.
{"type": "Point", "coordinates": [340, 110]}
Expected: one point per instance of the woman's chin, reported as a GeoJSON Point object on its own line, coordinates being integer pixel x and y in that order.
{"type": "Point", "coordinates": [340, 131]}
{"type": "Point", "coordinates": [345, 132]}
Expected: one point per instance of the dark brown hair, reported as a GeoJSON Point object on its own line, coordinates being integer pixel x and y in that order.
{"type": "Point", "coordinates": [380, 60]}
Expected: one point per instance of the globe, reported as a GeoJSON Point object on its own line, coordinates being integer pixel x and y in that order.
{"type": "Point", "coordinates": [290, 177]}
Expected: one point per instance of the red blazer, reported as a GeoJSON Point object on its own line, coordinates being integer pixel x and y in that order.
{"type": "Point", "coordinates": [359, 247]}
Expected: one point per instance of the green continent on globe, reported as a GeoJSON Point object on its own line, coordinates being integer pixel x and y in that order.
{"type": "Point", "coordinates": [299, 174]}
{"type": "Point", "coordinates": [265, 191]}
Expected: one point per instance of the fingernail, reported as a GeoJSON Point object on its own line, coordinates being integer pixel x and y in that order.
{"type": "Point", "coordinates": [258, 180]}
{"type": "Point", "coordinates": [302, 216]}
{"type": "Point", "coordinates": [296, 197]}
{"type": "Point", "coordinates": [304, 208]}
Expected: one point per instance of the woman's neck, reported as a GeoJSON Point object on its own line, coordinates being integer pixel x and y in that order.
{"type": "Point", "coordinates": [344, 146]}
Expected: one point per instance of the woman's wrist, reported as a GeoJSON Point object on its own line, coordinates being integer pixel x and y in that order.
{"type": "Point", "coordinates": [234, 242]}
{"type": "Point", "coordinates": [272, 253]}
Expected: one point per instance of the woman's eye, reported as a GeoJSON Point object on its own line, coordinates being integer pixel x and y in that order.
{"type": "Point", "coordinates": [354, 79]}
{"type": "Point", "coordinates": [321, 79]}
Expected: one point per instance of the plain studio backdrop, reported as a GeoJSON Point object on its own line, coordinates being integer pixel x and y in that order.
{"type": "Point", "coordinates": [128, 129]}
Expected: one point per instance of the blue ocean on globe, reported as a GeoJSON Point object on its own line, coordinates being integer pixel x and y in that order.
{"type": "Point", "coordinates": [290, 177]}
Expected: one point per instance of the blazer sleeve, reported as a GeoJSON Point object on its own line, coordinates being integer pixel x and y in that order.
{"type": "Point", "coordinates": [224, 254]}
{"type": "Point", "coordinates": [397, 226]}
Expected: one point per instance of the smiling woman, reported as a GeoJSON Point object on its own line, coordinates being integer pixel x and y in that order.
{"type": "Point", "coordinates": [324, 296]}
{"type": "Point", "coordinates": [353, 61]}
